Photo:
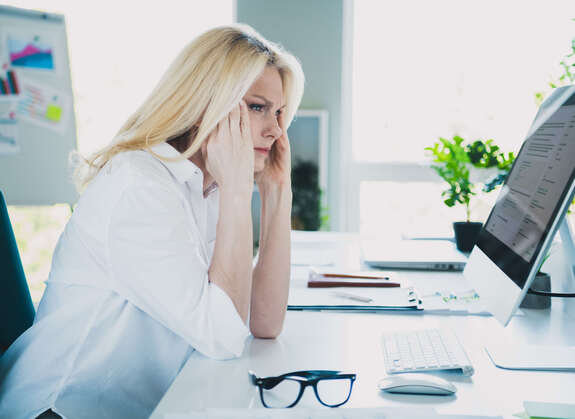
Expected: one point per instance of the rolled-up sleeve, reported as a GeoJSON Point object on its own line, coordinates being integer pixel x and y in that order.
{"type": "Point", "coordinates": [157, 264]}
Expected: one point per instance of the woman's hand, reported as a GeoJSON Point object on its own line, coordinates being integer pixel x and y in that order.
{"type": "Point", "coordinates": [229, 152]}
{"type": "Point", "coordinates": [277, 171]}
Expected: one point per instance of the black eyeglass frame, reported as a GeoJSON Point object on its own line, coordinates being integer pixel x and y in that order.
{"type": "Point", "coordinates": [305, 379]}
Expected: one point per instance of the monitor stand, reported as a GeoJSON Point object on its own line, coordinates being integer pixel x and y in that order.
{"type": "Point", "coordinates": [538, 357]}
{"type": "Point", "coordinates": [532, 357]}
{"type": "Point", "coordinates": [569, 248]}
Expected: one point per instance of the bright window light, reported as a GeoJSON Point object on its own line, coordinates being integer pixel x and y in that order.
{"type": "Point", "coordinates": [120, 49]}
{"type": "Point", "coordinates": [424, 69]}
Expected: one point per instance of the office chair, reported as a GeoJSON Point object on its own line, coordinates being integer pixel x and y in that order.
{"type": "Point", "coordinates": [16, 308]}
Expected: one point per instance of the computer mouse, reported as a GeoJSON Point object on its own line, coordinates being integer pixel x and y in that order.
{"type": "Point", "coordinates": [413, 383]}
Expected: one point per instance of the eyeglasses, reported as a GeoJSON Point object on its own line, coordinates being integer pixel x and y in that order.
{"type": "Point", "coordinates": [332, 388]}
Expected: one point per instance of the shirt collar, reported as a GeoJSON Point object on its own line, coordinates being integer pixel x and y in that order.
{"type": "Point", "coordinates": [183, 170]}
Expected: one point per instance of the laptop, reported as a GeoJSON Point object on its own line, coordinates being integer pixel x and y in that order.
{"type": "Point", "coordinates": [430, 255]}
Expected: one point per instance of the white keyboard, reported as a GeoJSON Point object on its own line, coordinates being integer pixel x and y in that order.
{"type": "Point", "coordinates": [424, 350]}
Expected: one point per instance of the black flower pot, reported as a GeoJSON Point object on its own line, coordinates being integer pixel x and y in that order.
{"type": "Point", "coordinates": [542, 282]}
{"type": "Point", "coordinates": [466, 234]}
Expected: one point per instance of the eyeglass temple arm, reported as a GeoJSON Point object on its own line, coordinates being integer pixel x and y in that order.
{"type": "Point", "coordinates": [271, 382]}
{"type": "Point", "coordinates": [311, 373]}
{"type": "Point", "coordinates": [267, 382]}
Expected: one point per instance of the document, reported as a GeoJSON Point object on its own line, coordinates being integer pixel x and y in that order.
{"type": "Point", "coordinates": [466, 302]}
{"type": "Point", "coordinates": [549, 410]}
{"type": "Point", "coordinates": [42, 105]}
{"type": "Point", "coordinates": [8, 125]}
{"type": "Point", "coordinates": [368, 299]}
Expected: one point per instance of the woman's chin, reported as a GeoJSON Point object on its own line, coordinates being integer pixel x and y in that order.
{"type": "Point", "coordinates": [259, 164]}
{"type": "Point", "coordinates": [258, 168]}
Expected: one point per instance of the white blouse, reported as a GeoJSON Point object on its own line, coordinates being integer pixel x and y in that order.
{"type": "Point", "coordinates": [128, 297]}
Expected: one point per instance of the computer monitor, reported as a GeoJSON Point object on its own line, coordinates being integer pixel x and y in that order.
{"type": "Point", "coordinates": [529, 210]}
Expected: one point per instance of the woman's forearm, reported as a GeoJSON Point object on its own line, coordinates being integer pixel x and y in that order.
{"type": "Point", "coordinates": [231, 267]}
{"type": "Point", "coordinates": [272, 272]}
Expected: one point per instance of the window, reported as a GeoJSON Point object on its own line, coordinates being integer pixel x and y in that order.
{"type": "Point", "coordinates": [425, 69]}
{"type": "Point", "coordinates": [118, 52]}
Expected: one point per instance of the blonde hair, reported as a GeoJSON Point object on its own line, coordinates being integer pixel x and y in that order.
{"type": "Point", "coordinates": [207, 79]}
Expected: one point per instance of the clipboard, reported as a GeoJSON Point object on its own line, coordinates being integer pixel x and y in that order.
{"type": "Point", "coordinates": [381, 299]}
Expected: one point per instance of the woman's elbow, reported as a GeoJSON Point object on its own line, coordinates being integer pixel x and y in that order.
{"type": "Point", "coordinates": [265, 332]}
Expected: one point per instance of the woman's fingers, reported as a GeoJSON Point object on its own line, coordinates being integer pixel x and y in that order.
{"type": "Point", "coordinates": [234, 121]}
{"type": "Point", "coordinates": [219, 131]}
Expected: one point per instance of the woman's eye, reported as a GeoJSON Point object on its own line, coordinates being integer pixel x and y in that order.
{"type": "Point", "coordinates": [278, 112]}
{"type": "Point", "coordinates": [256, 107]}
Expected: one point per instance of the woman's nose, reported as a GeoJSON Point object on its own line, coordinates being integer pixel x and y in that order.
{"type": "Point", "coordinates": [273, 128]}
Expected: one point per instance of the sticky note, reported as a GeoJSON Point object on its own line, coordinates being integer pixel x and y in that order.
{"type": "Point", "coordinates": [53, 112]}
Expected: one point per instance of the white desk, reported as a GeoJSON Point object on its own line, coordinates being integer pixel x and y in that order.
{"type": "Point", "coordinates": [350, 342]}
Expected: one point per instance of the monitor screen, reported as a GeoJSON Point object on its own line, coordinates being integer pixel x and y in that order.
{"type": "Point", "coordinates": [531, 203]}
{"type": "Point", "coordinates": [532, 195]}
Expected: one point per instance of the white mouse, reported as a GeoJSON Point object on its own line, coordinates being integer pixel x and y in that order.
{"type": "Point", "coordinates": [413, 383]}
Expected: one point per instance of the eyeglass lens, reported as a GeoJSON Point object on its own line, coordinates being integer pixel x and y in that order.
{"type": "Point", "coordinates": [333, 392]}
{"type": "Point", "coordinates": [282, 394]}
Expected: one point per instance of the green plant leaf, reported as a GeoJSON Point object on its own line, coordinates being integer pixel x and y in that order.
{"type": "Point", "coordinates": [452, 160]}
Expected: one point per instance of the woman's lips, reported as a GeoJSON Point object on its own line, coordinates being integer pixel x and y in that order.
{"type": "Point", "coordinates": [262, 150]}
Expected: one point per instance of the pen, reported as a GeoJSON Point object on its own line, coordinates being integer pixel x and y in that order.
{"type": "Point", "coordinates": [385, 278]}
{"type": "Point", "coordinates": [348, 275]}
{"type": "Point", "coordinates": [352, 296]}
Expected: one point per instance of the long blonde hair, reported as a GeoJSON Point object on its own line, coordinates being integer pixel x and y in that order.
{"type": "Point", "coordinates": [207, 79]}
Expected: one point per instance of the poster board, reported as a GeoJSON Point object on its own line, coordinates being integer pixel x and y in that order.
{"type": "Point", "coordinates": [37, 123]}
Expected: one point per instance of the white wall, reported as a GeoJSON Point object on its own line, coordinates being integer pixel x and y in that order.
{"type": "Point", "coordinates": [313, 32]}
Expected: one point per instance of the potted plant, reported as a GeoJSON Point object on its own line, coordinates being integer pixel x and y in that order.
{"type": "Point", "coordinates": [453, 163]}
{"type": "Point", "coordinates": [306, 212]}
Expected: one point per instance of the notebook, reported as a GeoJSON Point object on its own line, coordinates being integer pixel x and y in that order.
{"type": "Point", "coordinates": [436, 255]}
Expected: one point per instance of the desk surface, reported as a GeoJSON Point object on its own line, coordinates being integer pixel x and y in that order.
{"type": "Point", "coordinates": [351, 342]}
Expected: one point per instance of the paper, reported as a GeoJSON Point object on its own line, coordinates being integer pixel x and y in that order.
{"type": "Point", "coordinates": [320, 413]}
{"type": "Point", "coordinates": [549, 410]}
{"type": "Point", "coordinates": [450, 302]}
{"type": "Point", "coordinates": [326, 299]}
{"type": "Point", "coordinates": [30, 50]}
{"type": "Point", "coordinates": [44, 106]}
{"type": "Point", "coordinates": [8, 125]}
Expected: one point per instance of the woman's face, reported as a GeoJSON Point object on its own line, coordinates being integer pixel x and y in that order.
{"type": "Point", "coordinates": [265, 105]}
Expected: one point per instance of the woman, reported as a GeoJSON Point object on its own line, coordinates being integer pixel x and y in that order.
{"type": "Point", "coordinates": [156, 260]}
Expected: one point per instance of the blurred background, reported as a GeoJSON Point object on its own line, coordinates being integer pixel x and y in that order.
{"type": "Point", "coordinates": [392, 75]}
